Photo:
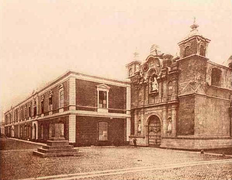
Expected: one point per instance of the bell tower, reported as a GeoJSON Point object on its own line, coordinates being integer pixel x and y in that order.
{"type": "Point", "coordinates": [194, 43]}
{"type": "Point", "coordinates": [134, 66]}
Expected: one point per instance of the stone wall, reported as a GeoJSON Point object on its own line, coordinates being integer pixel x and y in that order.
{"type": "Point", "coordinates": [196, 144]}
{"type": "Point", "coordinates": [212, 117]}
{"type": "Point", "coordinates": [185, 122]}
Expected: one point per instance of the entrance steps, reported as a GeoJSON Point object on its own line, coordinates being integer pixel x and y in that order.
{"type": "Point", "coordinates": [56, 148]}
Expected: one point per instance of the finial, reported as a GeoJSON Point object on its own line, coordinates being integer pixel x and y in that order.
{"type": "Point", "coordinates": [154, 49]}
{"type": "Point", "coordinates": [194, 25]}
{"type": "Point", "coordinates": [136, 54]}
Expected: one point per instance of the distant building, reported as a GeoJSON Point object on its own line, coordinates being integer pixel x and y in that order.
{"type": "Point", "coordinates": [181, 102]}
{"type": "Point", "coordinates": [2, 128]}
{"type": "Point", "coordinates": [93, 110]}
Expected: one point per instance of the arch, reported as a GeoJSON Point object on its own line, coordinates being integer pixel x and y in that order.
{"type": "Point", "coordinates": [187, 51]}
{"type": "Point", "coordinates": [154, 130]}
{"type": "Point", "coordinates": [202, 50]}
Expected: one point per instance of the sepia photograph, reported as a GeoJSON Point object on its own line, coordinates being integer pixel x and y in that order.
{"type": "Point", "coordinates": [119, 90]}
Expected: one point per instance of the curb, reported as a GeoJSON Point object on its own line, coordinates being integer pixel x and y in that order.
{"type": "Point", "coordinates": [30, 142]}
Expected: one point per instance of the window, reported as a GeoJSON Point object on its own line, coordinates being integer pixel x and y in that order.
{"type": "Point", "coordinates": [50, 101]}
{"type": "Point", "coordinates": [16, 115]}
{"type": "Point", "coordinates": [102, 99]}
{"type": "Point", "coordinates": [187, 51]}
{"type": "Point", "coordinates": [21, 114]}
{"type": "Point", "coordinates": [170, 89]}
{"type": "Point", "coordinates": [61, 95]}
{"type": "Point", "coordinates": [42, 106]}
{"type": "Point", "coordinates": [216, 77]}
{"type": "Point", "coordinates": [29, 110]}
{"type": "Point", "coordinates": [202, 50]}
{"type": "Point", "coordinates": [35, 108]}
{"type": "Point", "coordinates": [103, 131]}
{"type": "Point", "coordinates": [130, 72]}
{"type": "Point", "coordinates": [25, 111]}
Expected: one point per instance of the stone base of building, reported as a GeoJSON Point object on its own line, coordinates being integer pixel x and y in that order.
{"type": "Point", "coordinates": [196, 143]}
{"type": "Point", "coordinates": [140, 140]}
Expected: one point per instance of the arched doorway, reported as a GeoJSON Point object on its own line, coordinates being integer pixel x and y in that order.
{"type": "Point", "coordinates": [154, 131]}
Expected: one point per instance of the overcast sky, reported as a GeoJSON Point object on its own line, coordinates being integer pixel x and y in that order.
{"type": "Point", "coordinates": [42, 39]}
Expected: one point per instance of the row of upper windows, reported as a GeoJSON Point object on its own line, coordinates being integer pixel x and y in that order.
{"type": "Point", "coordinates": [28, 111]}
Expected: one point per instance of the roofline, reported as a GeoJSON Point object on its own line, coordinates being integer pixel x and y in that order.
{"type": "Point", "coordinates": [61, 77]}
{"type": "Point", "coordinates": [221, 65]}
{"type": "Point", "coordinates": [138, 62]}
{"type": "Point", "coordinates": [191, 37]}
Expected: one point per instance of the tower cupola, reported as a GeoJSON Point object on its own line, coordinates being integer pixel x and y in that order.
{"type": "Point", "coordinates": [194, 43]}
{"type": "Point", "coordinates": [134, 66]}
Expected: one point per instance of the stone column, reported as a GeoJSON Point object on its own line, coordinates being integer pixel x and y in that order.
{"type": "Point", "coordinates": [136, 122]}
{"type": "Point", "coordinates": [128, 112]}
{"type": "Point", "coordinates": [72, 128]}
{"type": "Point", "coordinates": [128, 128]}
{"type": "Point", "coordinates": [174, 109]}
{"type": "Point", "coordinates": [72, 93]}
{"type": "Point", "coordinates": [164, 121]}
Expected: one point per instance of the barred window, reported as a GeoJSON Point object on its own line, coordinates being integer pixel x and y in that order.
{"type": "Point", "coordinates": [102, 99]}
{"type": "Point", "coordinates": [61, 96]}
{"type": "Point", "coordinates": [103, 131]}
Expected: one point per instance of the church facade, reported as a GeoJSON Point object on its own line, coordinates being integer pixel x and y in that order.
{"type": "Point", "coordinates": [181, 102]}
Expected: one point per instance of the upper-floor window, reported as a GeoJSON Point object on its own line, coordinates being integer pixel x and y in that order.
{"type": "Point", "coordinates": [50, 101]}
{"type": "Point", "coordinates": [102, 97]}
{"type": "Point", "coordinates": [10, 118]}
{"type": "Point", "coordinates": [29, 110]}
{"type": "Point", "coordinates": [202, 50]}
{"type": "Point", "coordinates": [21, 112]}
{"type": "Point", "coordinates": [42, 105]}
{"type": "Point", "coordinates": [61, 96]}
{"type": "Point", "coordinates": [25, 111]}
{"type": "Point", "coordinates": [16, 115]}
{"type": "Point", "coordinates": [6, 119]}
{"type": "Point", "coordinates": [216, 77]}
{"type": "Point", "coordinates": [103, 131]}
{"type": "Point", "coordinates": [35, 108]}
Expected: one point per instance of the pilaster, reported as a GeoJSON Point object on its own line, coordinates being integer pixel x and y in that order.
{"type": "Point", "coordinates": [72, 93]}
{"type": "Point", "coordinates": [72, 128]}
{"type": "Point", "coordinates": [174, 109]}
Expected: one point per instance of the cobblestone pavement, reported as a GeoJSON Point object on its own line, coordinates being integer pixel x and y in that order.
{"type": "Point", "coordinates": [18, 164]}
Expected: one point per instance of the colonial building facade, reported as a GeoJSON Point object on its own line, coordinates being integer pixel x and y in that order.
{"type": "Point", "coordinates": [93, 111]}
{"type": "Point", "coordinates": [181, 102]}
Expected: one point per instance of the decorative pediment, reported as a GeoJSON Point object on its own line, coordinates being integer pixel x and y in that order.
{"type": "Point", "coordinates": [103, 87]}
